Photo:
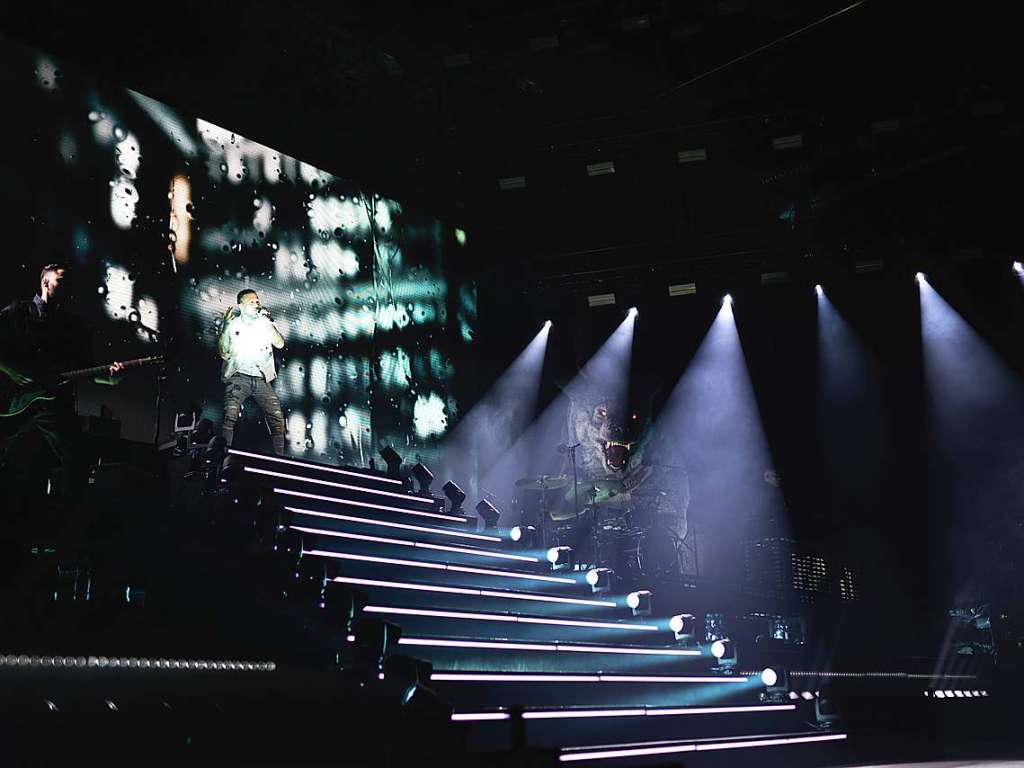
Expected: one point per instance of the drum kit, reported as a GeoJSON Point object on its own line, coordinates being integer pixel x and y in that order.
{"type": "Point", "coordinates": [625, 529]}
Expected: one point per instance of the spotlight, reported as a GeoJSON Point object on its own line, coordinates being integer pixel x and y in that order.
{"type": "Point", "coordinates": [392, 459]}
{"type": "Point", "coordinates": [725, 651]}
{"type": "Point", "coordinates": [424, 477]}
{"type": "Point", "coordinates": [684, 627]}
{"type": "Point", "coordinates": [547, 323]}
{"type": "Point", "coordinates": [727, 299]}
{"type": "Point", "coordinates": [776, 684]}
{"type": "Point", "coordinates": [560, 558]}
{"type": "Point", "coordinates": [920, 277]}
{"type": "Point", "coordinates": [524, 536]}
{"type": "Point", "coordinates": [488, 513]}
{"type": "Point", "coordinates": [1018, 268]}
{"type": "Point", "coordinates": [633, 312]}
{"type": "Point", "coordinates": [826, 709]}
{"type": "Point", "coordinates": [639, 602]}
{"type": "Point", "coordinates": [455, 495]}
{"type": "Point", "coordinates": [819, 290]}
{"type": "Point", "coordinates": [600, 579]}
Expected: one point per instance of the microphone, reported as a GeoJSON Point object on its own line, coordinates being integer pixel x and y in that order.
{"type": "Point", "coordinates": [266, 313]}
{"type": "Point", "coordinates": [564, 447]}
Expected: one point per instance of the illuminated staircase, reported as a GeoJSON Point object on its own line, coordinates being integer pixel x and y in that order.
{"type": "Point", "coordinates": [528, 657]}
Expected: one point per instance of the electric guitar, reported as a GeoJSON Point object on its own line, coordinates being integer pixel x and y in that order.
{"type": "Point", "coordinates": [16, 400]}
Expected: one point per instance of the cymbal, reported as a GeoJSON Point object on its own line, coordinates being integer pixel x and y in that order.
{"type": "Point", "coordinates": [543, 482]}
{"type": "Point", "coordinates": [605, 492]}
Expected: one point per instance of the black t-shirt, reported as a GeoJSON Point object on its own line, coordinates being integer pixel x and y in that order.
{"type": "Point", "coordinates": [41, 341]}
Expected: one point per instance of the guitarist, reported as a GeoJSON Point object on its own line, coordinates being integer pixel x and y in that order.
{"type": "Point", "coordinates": [39, 339]}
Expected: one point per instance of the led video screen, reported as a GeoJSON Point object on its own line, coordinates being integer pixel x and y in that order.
{"type": "Point", "coordinates": [164, 218]}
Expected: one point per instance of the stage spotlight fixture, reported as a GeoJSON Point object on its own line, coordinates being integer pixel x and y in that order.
{"type": "Point", "coordinates": [560, 558]}
{"type": "Point", "coordinates": [819, 290]}
{"type": "Point", "coordinates": [920, 277]}
{"type": "Point", "coordinates": [633, 312]}
{"type": "Point", "coordinates": [374, 641]}
{"type": "Point", "coordinates": [826, 709]}
{"type": "Point", "coordinates": [727, 299]}
{"type": "Point", "coordinates": [600, 579]}
{"type": "Point", "coordinates": [524, 536]}
{"type": "Point", "coordinates": [424, 477]}
{"type": "Point", "coordinates": [455, 495]}
{"type": "Point", "coordinates": [684, 627]}
{"type": "Point", "coordinates": [548, 323]}
{"type": "Point", "coordinates": [1018, 268]}
{"type": "Point", "coordinates": [769, 677]}
{"type": "Point", "coordinates": [639, 602]}
{"type": "Point", "coordinates": [725, 651]}
{"type": "Point", "coordinates": [392, 459]}
{"type": "Point", "coordinates": [488, 513]}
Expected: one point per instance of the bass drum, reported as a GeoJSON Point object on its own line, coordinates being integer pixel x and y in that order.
{"type": "Point", "coordinates": [653, 553]}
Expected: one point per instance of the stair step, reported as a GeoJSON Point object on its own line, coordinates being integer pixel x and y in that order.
{"type": "Point", "coordinates": [445, 596]}
{"type": "Point", "coordinates": [458, 572]}
{"type": "Point", "coordinates": [351, 474]}
{"type": "Point", "coordinates": [322, 539]}
{"type": "Point", "coordinates": [540, 657]}
{"type": "Point", "coordinates": [290, 496]}
{"type": "Point", "coordinates": [415, 620]}
{"type": "Point", "coordinates": [341, 521]}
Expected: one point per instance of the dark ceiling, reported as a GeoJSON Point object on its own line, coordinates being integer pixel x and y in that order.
{"type": "Point", "coordinates": [909, 116]}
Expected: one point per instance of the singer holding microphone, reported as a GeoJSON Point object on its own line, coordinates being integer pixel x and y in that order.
{"type": "Point", "coordinates": [247, 341]}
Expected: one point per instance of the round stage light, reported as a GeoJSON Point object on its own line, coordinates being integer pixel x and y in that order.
{"type": "Point", "coordinates": [516, 533]}
{"type": "Point", "coordinates": [920, 277]}
{"type": "Point", "coordinates": [819, 290]}
{"type": "Point", "coordinates": [548, 323]}
{"type": "Point", "coordinates": [718, 649]}
{"type": "Point", "coordinates": [553, 555]}
{"type": "Point", "coordinates": [676, 624]}
{"type": "Point", "coordinates": [633, 312]}
{"type": "Point", "coordinates": [1018, 268]}
{"type": "Point", "coordinates": [769, 677]}
{"type": "Point", "coordinates": [593, 577]}
{"type": "Point", "coordinates": [727, 299]}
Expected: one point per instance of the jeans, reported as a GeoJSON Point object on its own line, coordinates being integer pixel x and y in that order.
{"type": "Point", "coordinates": [239, 388]}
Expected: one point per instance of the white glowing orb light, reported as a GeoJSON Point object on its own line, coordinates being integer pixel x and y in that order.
{"type": "Point", "coordinates": [123, 199]}
{"type": "Point", "coordinates": [921, 278]}
{"type": "Point", "coordinates": [819, 290]}
{"type": "Point", "coordinates": [1018, 268]}
{"type": "Point", "coordinates": [633, 312]}
{"type": "Point", "coordinates": [769, 677]}
{"type": "Point", "coordinates": [428, 416]}
{"type": "Point", "coordinates": [516, 533]}
{"type": "Point", "coordinates": [727, 299]}
{"type": "Point", "coordinates": [718, 649]}
{"type": "Point", "coordinates": [547, 323]}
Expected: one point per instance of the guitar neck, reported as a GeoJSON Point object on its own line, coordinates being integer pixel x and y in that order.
{"type": "Point", "coordinates": [102, 369]}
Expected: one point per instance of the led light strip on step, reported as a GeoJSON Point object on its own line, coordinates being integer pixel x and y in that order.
{"type": "Point", "coordinates": [508, 618]}
{"type": "Point", "coordinates": [386, 524]}
{"type": "Point", "coordinates": [434, 566]}
{"type": "Point", "coordinates": [526, 677]}
{"type": "Point", "coordinates": [555, 646]}
{"type": "Point", "coordinates": [473, 592]}
{"type": "Point", "coordinates": [416, 544]}
{"type": "Point", "coordinates": [342, 486]}
{"type": "Point", "coordinates": [369, 505]}
{"type": "Point", "coordinates": [698, 746]}
{"type": "Point", "coordinates": [570, 713]}
{"type": "Point", "coordinates": [317, 467]}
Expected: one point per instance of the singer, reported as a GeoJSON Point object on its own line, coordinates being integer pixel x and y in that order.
{"type": "Point", "coordinates": [246, 345]}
